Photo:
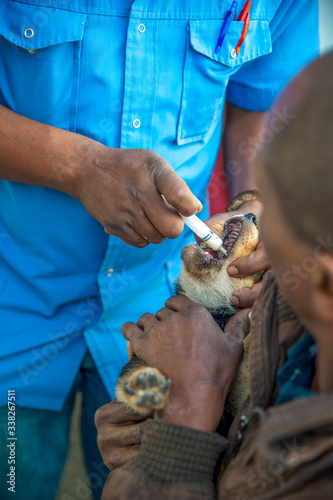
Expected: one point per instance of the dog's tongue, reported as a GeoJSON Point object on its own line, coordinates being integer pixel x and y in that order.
{"type": "Point", "coordinates": [214, 254]}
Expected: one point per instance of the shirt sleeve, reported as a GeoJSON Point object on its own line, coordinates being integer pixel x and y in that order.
{"type": "Point", "coordinates": [173, 462]}
{"type": "Point", "coordinates": [295, 43]}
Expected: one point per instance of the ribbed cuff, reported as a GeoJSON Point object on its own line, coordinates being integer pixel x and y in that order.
{"type": "Point", "coordinates": [171, 453]}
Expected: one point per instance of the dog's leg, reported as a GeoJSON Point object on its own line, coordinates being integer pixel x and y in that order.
{"type": "Point", "coordinates": [141, 388]}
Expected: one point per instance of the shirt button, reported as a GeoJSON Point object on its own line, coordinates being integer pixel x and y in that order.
{"type": "Point", "coordinates": [28, 33]}
{"type": "Point", "coordinates": [32, 51]}
{"type": "Point", "coordinates": [109, 273]}
{"type": "Point", "coordinates": [136, 123]}
{"type": "Point", "coordinates": [142, 28]}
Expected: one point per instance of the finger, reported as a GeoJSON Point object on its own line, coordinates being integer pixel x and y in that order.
{"type": "Point", "coordinates": [175, 190]}
{"type": "Point", "coordinates": [127, 234]}
{"type": "Point", "coordinates": [119, 457]}
{"type": "Point", "coordinates": [239, 325]}
{"type": "Point", "coordinates": [179, 303]}
{"type": "Point", "coordinates": [114, 413]}
{"type": "Point", "coordinates": [120, 435]}
{"type": "Point", "coordinates": [130, 351]}
{"type": "Point", "coordinates": [246, 296]}
{"type": "Point", "coordinates": [147, 230]}
{"type": "Point", "coordinates": [146, 321]}
{"type": "Point", "coordinates": [131, 330]}
{"type": "Point", "coordinates": [163, 313]}
{"type": "Point", "coordinates": [216, 223]}
{"type": "Point", "coordinates": [163, 216]}
{"type": "Point", "coordinates": [251, 264]}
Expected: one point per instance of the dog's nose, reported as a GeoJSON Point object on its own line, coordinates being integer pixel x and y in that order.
{"type": "Point", "coordinates": [252, 218]}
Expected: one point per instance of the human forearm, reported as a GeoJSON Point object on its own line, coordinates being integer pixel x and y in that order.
{"type": "Point", "coordinates": [240, 145]}
{"type": "Point", "coordinates": [120, 188]}
{"type": "Point", "coordinates": [35, 153]}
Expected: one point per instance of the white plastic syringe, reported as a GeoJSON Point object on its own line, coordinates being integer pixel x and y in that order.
{"type": "Point", "coordinates": [204, 232]}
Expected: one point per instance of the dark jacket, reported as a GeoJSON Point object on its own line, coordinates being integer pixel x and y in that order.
{"type": "Point", "coordinates": [272, 452]}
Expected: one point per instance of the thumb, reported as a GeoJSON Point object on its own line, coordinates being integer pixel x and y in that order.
{"type": "Point", "coordinates": [251, 264]}
{"type": "Point", "coordinates": [217, 221]}
{"type": "Point", "coordinates": [175, 190]}
{"type": "Point", "coordinates": [239, 325]}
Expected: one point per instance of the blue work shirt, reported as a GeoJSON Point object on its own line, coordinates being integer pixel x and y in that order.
{"type": "Point", "coordinates": [141, 74]}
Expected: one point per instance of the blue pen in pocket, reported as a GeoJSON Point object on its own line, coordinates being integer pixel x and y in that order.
{"type": "Point", "coordinates": [231, 14]}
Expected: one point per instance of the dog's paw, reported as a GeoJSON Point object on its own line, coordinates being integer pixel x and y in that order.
{"type": "Point", "coordinates": [144, 390]}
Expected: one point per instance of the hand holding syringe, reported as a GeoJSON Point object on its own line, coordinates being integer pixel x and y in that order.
{"type": "Point", "coordinates": [203, 231]}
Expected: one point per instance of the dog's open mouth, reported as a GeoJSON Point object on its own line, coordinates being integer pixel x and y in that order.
{"type": "Point", "coordinates": [229, 238]}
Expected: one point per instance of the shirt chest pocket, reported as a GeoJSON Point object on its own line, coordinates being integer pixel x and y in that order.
{"type": "Point", "coordinates": [206, 74]}
{"type": "Point", "coordinates": [40, 50]}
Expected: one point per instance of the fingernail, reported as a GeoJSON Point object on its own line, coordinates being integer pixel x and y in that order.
{"type": "Point", "coordinates": [199, 205]}
{"type": "Point", "coordinates": [250, 315]}
{"type": "Point", "coordinates": [232, 270]}
{"type": "Point", "coordinates": [234, 300]}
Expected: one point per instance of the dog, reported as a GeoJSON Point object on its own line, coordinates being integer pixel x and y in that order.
{"type": "Point", "coordinates": [203, 279]}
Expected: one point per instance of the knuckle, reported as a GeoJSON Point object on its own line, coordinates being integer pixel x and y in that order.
{"type": "Point", "coordinates": [135, 192]}
{"type": "Point", "coordinates": [141, 244]}
{"type": "Point", "coordinates": [180, 190]}
{"type": "Point", "coordinates": [173, 233]}
{"type": "Point", "coordinates": [197, 309]}
{"type": "Point", "coordinates": [100, 440]}
{"type": "Point", "coordinates": [155, 163]}
{"type": "Point", "coordinates": [173, 230]}
{"type": "Point", "coordinates": [145, 316]}
{"type": "Point", "coordinates": [100, 415]}
{"type": "Point", "coordinates": [109, 229]}
{"type": "Point", "coordinates": [161, 312]}
{"type": "Point", "coordinates": [112, 460]}
{"type": "Point", "coordinates": [157, 239]}
{"type": "Point", "coordinates": [126, 229]}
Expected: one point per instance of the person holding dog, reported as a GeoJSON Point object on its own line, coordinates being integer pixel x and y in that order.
{"type": "Point", "coordinates": [280, 444]}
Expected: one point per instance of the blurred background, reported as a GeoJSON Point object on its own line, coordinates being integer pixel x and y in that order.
{"type": "Point", "coordinates": [75, 484]}
{"type": "Point", "coordinates": [326, 25]}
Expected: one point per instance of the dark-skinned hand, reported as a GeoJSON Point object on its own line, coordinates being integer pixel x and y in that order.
{"type": "Point", "coordinates": [119, 434]}
{"type": "Point", "coordinates": [186, 345]}
{"type": "Point", "coordinates": [122, 189]}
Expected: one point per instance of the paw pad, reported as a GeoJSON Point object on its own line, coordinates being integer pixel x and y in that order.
{"type": "Point", "coordinates": [144, 390]}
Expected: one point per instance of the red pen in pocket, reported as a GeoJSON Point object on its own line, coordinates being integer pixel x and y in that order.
{"type": "Point", "coordinates": [244, 16]}
{"type": "Point", "coordinates": [244, 11]}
